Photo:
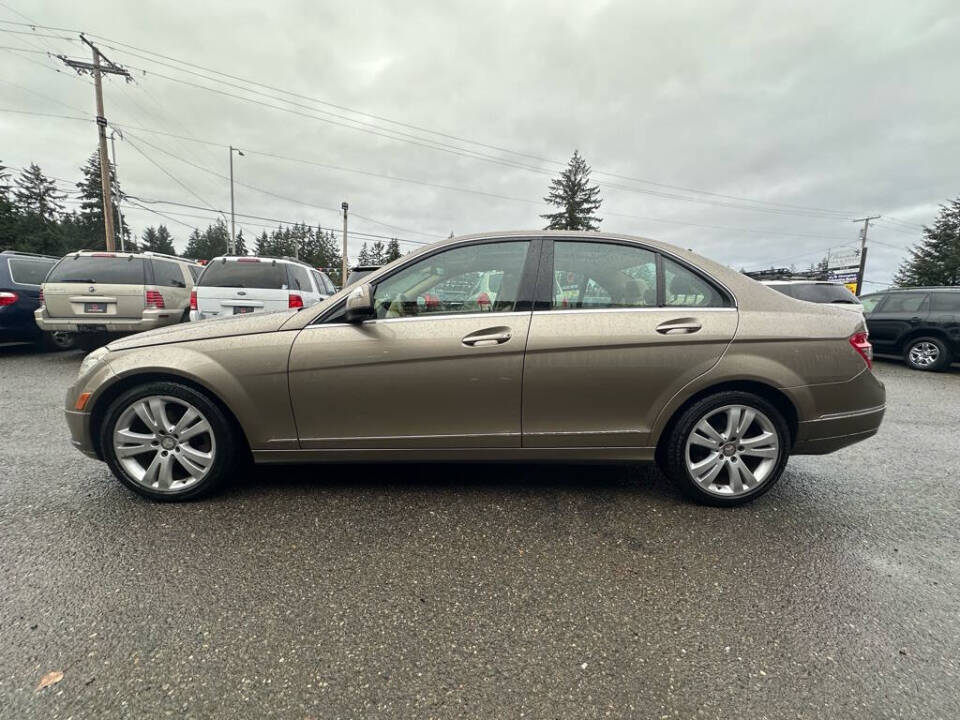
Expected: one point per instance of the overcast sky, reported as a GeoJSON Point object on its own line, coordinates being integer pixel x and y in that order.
{"type": "Point", "coordinates": [848, 107]}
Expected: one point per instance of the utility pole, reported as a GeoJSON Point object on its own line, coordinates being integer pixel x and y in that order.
{"type": "Point", "coordinates": [116, 179]}
{"type": "Point", "coordinates": [97, 69]}
{"type": "Point", "coordinates": [345, 206]}
{"type": "Point", "coordinates": [233, 219]}
{"type": "Point", "coordinates": [863, 248]}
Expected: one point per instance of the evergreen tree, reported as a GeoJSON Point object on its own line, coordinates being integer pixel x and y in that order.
{"type": "Point", "coordinates": [393, 250]}
{"type": "Point", "coordinates": [936, 260]}
{"type": "Point", "coordinates": [240, 244]}
{"type": "Point", "coordinates": [575, 197]}
{"type": "Point", "coordinates": [378, 253]}
{"type": "Point", "coordinates": [158, 240]}
{"type": "Point", "coordinates": [364, 257]}
{"type": "Point", "coordinates": [36, 194]}
{"type": "Point", "coordinates": [91, 205]}
{"type": "Point", "coordinates": [4, 182]}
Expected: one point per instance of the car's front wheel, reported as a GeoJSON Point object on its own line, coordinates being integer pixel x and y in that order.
{"type": "Point", "coordinates": [727, 449]}
{"type": "Point", "coordinates": [927, 353]}
{"type": "Point", "coordinates": [167, 441]}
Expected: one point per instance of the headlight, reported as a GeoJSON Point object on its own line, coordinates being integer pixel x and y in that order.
{"type": "Point", "coordinates": [92, 359]}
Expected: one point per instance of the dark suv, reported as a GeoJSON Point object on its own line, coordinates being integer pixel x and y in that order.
{"type": "Point", "coordinates": [921, 324]}
{"type": "Point", "coordinates": [21, 276]}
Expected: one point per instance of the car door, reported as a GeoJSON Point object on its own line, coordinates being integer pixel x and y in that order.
{"type": "Point", "coordinates": [425, 372]}
{"type": "Point", "coordinates": [945, 316]}
{"type": "Point", "coordinates": [896, 316]}
{"type": "Point", "coordinates": [617, 330]}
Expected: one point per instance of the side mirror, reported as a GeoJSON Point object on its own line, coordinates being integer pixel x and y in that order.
{"type": "Point", "coordinates": [360, 304]}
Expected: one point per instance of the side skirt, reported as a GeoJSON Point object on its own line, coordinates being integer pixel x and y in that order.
{"type": "Point", "coordinates": [576, 454]}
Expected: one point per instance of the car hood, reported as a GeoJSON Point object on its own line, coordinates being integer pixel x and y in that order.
{"type": "Point", "coordinates": [229, 326]}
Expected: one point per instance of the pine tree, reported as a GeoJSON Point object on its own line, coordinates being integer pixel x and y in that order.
{"type": "Point", "coordinates": [577, 199]}
{"type": "Point", "coordinates": [4, 182]}
{"type": "Point", "coordinates": [240, 244]}
{"type": "Point", "coordinates": [91, 205]}
{"type": "Point", "coordinates": [158, 240]}
{"type": "Point", "coordinates": [936, 260]}
{"type": "Point", "coordinates": [36, 194]}
{"type": "Point", "coordinates": [393, 250]}
{"type": "Point", "coordinates": [364, 257]}
{"type": "Point", "coordinates": [378, 253]}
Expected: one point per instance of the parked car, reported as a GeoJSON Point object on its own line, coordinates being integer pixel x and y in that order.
{"type": "Point", "coordinates": [818, 291]}
{"type": "Point", "coordinates": [922, 325]}
{"type": "Point", "coordinates": [103, 294]}
{"type": "Point", "coordinates": [358, 272]}
{"type": "Point", "coordinates": [697, 366]}
{"type": "Point", "coordinates": [232, 285]}
{"type": "Point", "coordinates": [21, 280]}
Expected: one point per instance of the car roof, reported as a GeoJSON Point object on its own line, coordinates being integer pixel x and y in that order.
{"type": "Point", "coordinates": [143, 254]}
{"type": "Point", "coordinates": [802, 282]}
{"type": "Point", "coordinates": [933, 288]}
{"type": "Point", "coordinates": [249, 258]}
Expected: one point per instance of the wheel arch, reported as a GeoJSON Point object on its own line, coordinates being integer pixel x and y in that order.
{"type": "Point", "coordinates": [915, 333]}
{"type": "Point", "coordinates": [132, 380]}
{"type": "Point", "coordinates": [774, 396]}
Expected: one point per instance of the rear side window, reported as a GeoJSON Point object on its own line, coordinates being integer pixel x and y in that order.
{"type": "Point", "coordinates": [945, 301]}
{"type": "Point", "coordinates": [32, 271]}
{"type": "Point", "coordinates": [823, 293]}
{"type": "Point", "coordinates": [92, 269]}
{"type": "Point", "coordinates": [684, 288]}
{"type": "Point", "coordinates": [328, 283]}
{"type": "Point", "coordinates": [168, 274]}
{"type": "Point", "coordinates": [299, 279]}
{"type": "Point", "coordinates": [591, 275]}
{"type": "Point", "coordinates": [904, 302]}
{"type": "Point", "coordinates": [263, 274]}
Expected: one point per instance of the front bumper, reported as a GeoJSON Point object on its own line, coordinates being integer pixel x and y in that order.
{"type": "Point", "coordinates": [80, 437]}
{"type": "Point", "coordinates": [151, 319]}
{"type": "Point", "coordinates": [79, 421]}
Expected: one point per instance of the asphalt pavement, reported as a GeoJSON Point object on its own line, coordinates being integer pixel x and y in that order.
{"type": "Point", "coordinates": [498, 591]}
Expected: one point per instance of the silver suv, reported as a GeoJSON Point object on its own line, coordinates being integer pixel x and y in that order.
{"type": "Point", "coordinates": [102, 293]}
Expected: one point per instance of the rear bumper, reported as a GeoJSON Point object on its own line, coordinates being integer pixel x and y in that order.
{"type": "Point", "coordinates": [833, 432]}
{"type": "Point", "coordinates": [151, 319]}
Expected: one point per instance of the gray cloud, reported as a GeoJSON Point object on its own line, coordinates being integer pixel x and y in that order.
{"type": "Point", "coordinates": [831, 105]}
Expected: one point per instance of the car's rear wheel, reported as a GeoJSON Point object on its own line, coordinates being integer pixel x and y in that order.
{"type": "Point", "coordinates": [58, 340]}
{"type": "Point", "coordinates": [167, 441]}
{"type": "Point", "coordinates": [727, 449]}
{"type": "Point", "coordinates": [927, 353]}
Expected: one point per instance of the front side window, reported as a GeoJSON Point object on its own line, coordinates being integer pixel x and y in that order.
{"type": "Point", "coordinates": [30, 271]}
{"type": "Point", "coordinates": [684, 288]}
{"type": "Point", "coordinates": [904, 302]}
{"type": "Point", "coordinates": [591, 275]}
{"type": "Point", "coordinates": [168, 274]}
{"type": "Point", "coordinates": [474, 278]}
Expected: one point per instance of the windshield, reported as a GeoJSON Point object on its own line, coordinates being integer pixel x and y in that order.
{"type": "Point", "coordinates": [91, 269]}
{"type": "Point", "coordinates": [258, 274]}
{"type": "Point", "coordinates": [819, 292]}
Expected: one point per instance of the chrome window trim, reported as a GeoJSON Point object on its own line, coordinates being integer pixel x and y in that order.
{"type": "Point", "coordinates": [658, 308]}
{"type": "Point", "coordinates": [438, 316]}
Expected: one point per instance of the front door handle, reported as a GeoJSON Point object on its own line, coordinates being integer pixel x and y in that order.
{"type": "Point", "coordinates": [676, 327]}
{"type": "Point", "coordinates": [487, 337]}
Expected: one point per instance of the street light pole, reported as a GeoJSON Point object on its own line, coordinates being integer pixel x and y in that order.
{"type": "Point", "coordinates": [233, 220]}
{"type": "Point", "coordinates": [345, 206]}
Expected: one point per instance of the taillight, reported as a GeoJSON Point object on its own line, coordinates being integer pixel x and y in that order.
{"type": "Point", "coordinates": [193, 300]}
{"type": "Point", "coordinates": [861, 343]}
{"type": "Point", "coordinates": [154, 299]}
{"type": "Point", "coordinates": [295, 301]}
{"type": "Point", "coordinates": [483, 300]}
{"type": "Point", "coordinates": [7, 298]}
{"type": "Point", "coordinates": [41, 297]}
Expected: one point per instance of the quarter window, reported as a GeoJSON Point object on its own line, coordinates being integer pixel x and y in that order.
{"type": "Point", "coordinates": [945, 301]}
{"type": "Point", "coordinates": [469, 279]}
{"type": "Point", "coordinates": [299, 280]}
{"type": "Point", "coordinates": [684, 288]}
{"type": "Point", "coordinates": [869, 302]}
{"type": "Point", "coordinates": [590, 275]}
{"type": "Point", "coordinates": [168, 274]}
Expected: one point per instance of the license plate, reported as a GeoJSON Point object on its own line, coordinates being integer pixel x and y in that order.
{"type": "Point", "coordinates": [240, 310]}
{"type": "Point", "coordinates": [95, 307]}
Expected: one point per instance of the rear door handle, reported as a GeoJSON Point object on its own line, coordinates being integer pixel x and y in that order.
{"type": "Point", "coordinates": [487, 337]}
{"type": "Point", "coordinates": [676, 327]}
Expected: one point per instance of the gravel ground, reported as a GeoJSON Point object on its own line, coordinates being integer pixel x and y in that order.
{"type": "Point", "coordinates": [436, 591]}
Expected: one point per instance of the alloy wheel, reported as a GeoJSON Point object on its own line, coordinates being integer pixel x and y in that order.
{"type": "Point", "coordinates": [164, 443]}
{"type": "Point", "coordinates": [924, 354]}
{"type": "Point", "coordinates": [732, 450]}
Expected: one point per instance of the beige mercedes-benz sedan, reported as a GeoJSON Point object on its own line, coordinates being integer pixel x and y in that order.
{"type": "Point", "coordinates": [539, 346]}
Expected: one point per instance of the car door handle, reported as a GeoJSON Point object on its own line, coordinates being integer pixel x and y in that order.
{"type": "Point", "coordinates": [487, 337]}
{"type": "Point", "coordinates": [675, 327]}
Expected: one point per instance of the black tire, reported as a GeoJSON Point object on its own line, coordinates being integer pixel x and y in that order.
{"type": "Point", "coordinates": [673, 456]}
{"type": "Point", "coordinates": [228, 449]}
{"type": "Point", "coordinates": [58, 341]}
{"type": "Point", "coordinates": [916, 361]}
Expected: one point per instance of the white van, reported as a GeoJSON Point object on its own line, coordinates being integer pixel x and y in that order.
{"type": "Point", "coordinates": [231, 285]}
